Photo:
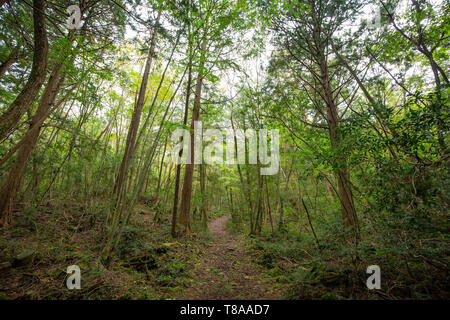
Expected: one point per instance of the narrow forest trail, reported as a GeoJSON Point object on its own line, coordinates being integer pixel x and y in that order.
{"type": "Point", "coordinates": [225, 271]}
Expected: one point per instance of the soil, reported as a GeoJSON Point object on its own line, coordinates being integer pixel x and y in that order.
{"type": "Point", "coordinates": [226, 271]}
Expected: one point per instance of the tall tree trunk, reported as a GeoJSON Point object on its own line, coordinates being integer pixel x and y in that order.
{"type": "Point", "coordinates": [280, 200]}
{"type": "Point", "coordinates": [186, 193]}
{"type": "Point", "coordinates": [161, 166]}
{"type": "Point", "coordinates": [16, 173]}
{"type": "Point", "coordinates": [135, 120]}
{"type": "Point", "coordinates": [259, 215]}
{"type": "Point", "coordinates": [280, 197]}
{"type": "Point", "coordinates": [203, 214]}
{"type": "Point", "coordinates": [268, 203]}
{"type": "Point", "coordinates": [343, 175]}
{"type": "Point", "coordinates": [122, 213]}
{"type": "Point", "coordinates": [246, 190]}
{"type": "Point", "coordinates": [178, 169]}
{"type": "Point", "coordinates": [17, 109]}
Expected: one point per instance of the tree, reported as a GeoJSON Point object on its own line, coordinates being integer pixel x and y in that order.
{"type": "Point", "coordinates": [61, 67]}
{"type": "Point", "coordinates": [303, 30]}
{"type": "Point", "coordinates": [136, 118]}
{"type": "Point", "coordinates": [215, 18]}
{"type": "Point", "coordinates": [10, 118]}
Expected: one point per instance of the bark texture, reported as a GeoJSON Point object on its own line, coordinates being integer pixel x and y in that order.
{"type": "Point", "coordinates": [135, 121]}
{"type": "Point", "coordinates": [15, 176]}
{"type": "Point", "coordinates": [10, 118]}
{"type": "Point", "coordinates": [185, 206]}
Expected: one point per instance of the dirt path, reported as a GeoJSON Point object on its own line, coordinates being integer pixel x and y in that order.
{"type": "Point", "coordinates": [225, 271]}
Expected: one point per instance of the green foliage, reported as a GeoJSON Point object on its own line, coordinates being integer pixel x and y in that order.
{"type": "Point", "coordinates": [268, 64]}
{"type": "Point", "coordinates": [171, 275]}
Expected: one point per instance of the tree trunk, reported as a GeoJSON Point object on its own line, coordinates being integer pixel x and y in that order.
{"type": "Point", "coordinates": [203, 214]}
{"type": "Point", "coordinates": [16, 173]}
{"type": "Point", "coordinates": [246, 190]}
{"type": "Point", "coordinates": [343, 175]}
{"type": "Point", "coordinates": [135, 120]}
{"type": "Point", "coordinates": [268, 204]}
{"type": "Point", "coordinates": [12, 58]}
{"type": "Point", "coordinates": [178, 170]}
{"type": "Point", "coordinates": [17, 109]}
{"type": "Point", "coordinates": [258, 220]}
{"type": "Point", "coordinates": [186, 193]}
{"type": "Point", "coordinates": [161, 166]}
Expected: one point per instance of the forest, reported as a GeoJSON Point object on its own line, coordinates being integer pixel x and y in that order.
{"type": "Point", "coordinates": [224, 149]}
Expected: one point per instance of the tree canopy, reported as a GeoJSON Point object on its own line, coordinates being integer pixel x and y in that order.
{"type": "Point", "coordinates": [346, 101]}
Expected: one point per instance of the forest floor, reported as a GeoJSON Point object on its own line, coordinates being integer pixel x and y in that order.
{"type": "Point", "coordinates": [221, 263]}
{"type": "Point", "coordinates": [226, 270]}
{"type": "Point", "coordinates": [148, 264]}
